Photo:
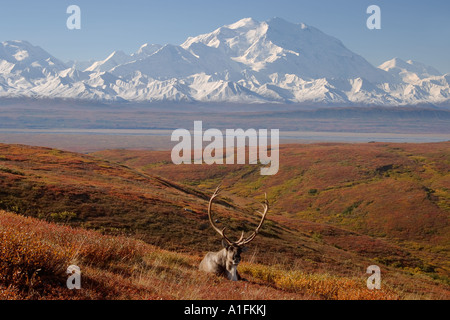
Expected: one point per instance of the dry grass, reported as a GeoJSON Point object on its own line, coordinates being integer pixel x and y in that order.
{"type": "Point", "coordinates": [323, 285]}
{"type": "Point", "coordinates": [35, 255]}
{"type": "Point", "coordinates": [335, 210]}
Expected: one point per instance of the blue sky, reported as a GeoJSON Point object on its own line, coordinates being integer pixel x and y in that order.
{"type": "Point", "coordinates": [417, 30]}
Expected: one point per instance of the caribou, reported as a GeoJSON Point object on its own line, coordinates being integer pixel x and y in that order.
{"type": "Point", "coordinates": [225, 261]}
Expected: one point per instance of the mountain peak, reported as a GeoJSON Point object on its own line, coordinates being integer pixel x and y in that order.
{"type": "Point", "coordinates": [284, 25]}
{"type": "Point", "coordinates": [409, 69]}
{"type": "Point", "coordinates": [393, 63]}
{"type": "Point", "coordinates": [117, 54]}
{"type": "Point", "coordinates": [114, 59]}
{"type": "Point", "coordinates": [279, 21]}
{"type": "Point", "coordinates": [23, 54]}
{"type": "Point", "coordinates": [147, 49]}
{"type": "Point", "coordinates": [12, 47]}
{"type": "Point", "coordinates": [243, 23]}
{"type": "Point", "coordinates": [16, 42]}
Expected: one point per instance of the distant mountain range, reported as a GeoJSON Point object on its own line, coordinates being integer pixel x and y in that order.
{"type": "Point", "coordinates": [247, 62]}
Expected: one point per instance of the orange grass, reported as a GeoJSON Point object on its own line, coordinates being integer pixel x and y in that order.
{"type": "Point", "coordinates": [336, 209]}
{"type": "Point", "coordinates": [35, 255]}
{"type": "Point", "coordinates": [325, 286]}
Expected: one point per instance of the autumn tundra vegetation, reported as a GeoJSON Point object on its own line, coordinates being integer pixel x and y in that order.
{"type": "Point", "coordinates": [138, 225]}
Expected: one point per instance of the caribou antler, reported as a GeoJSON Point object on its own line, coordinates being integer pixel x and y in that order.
{"type": "Point", "coordinates": [221, 232]}
{"type": "Point", "coordinates": [265, 205]}
{"type": "Point", "coordinates": [241, 241]}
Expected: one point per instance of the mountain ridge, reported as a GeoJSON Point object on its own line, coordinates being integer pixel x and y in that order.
{"type": "Point", "coordinates": [248, 61]}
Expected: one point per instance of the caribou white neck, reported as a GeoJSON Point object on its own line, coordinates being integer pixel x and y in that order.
{"type": "Point", "coordinates": [233, 273]}
{"type": "Point", "coordinates": [231, 267]}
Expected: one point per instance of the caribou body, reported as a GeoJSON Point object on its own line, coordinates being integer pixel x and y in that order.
{"type": "Point", "coordinates": [225, 261]}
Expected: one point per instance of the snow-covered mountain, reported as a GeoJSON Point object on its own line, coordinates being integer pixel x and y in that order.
{"type": "Point", "coordinates": [79, 64]}
{"type": "Point", "coordinates": [247, 61]}
{"type": "Point", "coordinates": [408, 71]}
{"type": "Point", "coordinates": [113, 60]}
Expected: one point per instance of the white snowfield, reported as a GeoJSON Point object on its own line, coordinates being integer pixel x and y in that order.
{"type": "Point", "coordinates": [248, 61]}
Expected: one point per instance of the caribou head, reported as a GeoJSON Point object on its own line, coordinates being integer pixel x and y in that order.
{"type": "Point", "coordinates": [226, 260]}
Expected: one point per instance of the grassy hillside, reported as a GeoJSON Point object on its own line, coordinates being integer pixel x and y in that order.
{"type": "Point", "coordinates": [398, 194]}
{"type": "Point", "coordinates": [336, 209]}
{"type": "Point", "coordinates": [35, 255]}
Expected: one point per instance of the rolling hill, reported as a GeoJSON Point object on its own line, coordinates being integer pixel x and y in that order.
{"type": "Point", "coordinates": [336, 209]}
